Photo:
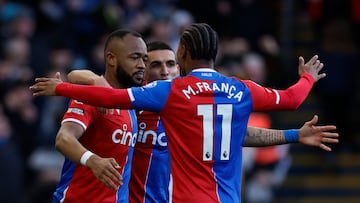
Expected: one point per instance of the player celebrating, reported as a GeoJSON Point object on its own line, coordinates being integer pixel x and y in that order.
{"type": "Point", "coordinates": [204, 115]}
{"type": "Point", "coordinates": [98, 146]}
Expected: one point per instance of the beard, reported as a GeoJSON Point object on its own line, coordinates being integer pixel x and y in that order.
{"type": "Point", "coordinates": [134, 80]}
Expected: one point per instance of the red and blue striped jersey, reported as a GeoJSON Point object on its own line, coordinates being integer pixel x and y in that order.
{"type": "Point", "coordinates": [205, 116]}
{"type": "Point", "coordinates": [111, 134]}
{"type": "Point", "coordinates": [150, 176]}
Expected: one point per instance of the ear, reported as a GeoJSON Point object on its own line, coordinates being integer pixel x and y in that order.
{"type": "Point", "coordinates": [182, 51]}
{"type": "Point", "coordinates": [110, 58]}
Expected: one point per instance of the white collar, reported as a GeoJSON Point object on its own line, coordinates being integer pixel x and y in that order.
{"type": "Point", "coordinates": [203, 70]}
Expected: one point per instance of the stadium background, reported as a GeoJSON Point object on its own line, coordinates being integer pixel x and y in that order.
{"type": "Point", "coordinates": [42, 37]}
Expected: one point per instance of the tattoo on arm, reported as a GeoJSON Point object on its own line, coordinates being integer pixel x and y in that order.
{"type": "Point", "coordinates": [261, 137]}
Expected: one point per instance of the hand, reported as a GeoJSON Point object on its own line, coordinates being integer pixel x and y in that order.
{"type": "Point", "coordinates": [101, 81]}
{"type": "Point", "coordinates": [106, 170]}
{"type": "Point", "coordinates": [57, 75]}
{"type": "Point", "coordinates": [313, 67]}
{"type": "Point", "coordinates": [45, 86]}
{"type": "Point", "coordinates": [312, 135]}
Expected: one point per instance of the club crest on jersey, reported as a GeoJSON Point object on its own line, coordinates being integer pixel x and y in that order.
{"type": "Point", "coordinates": [151, 85]}
{"type": "Point", "coordinates": [200, 87]}
{"type": "Point", "coordinates": [113, 111]}
{"type": "Point", "coordinates": [124, 137]}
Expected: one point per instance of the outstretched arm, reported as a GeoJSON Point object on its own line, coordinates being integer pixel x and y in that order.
{"type": "Point", "coordinates": [269, 99]}
{"type": "Point", "coordinates": [308, 134]}
{"type": "Point", "coordinates": [86, 77]}
{"type": "Point", "coordinates": [82, 77]}
{"type": "Point", "coordinates": [92, 95]}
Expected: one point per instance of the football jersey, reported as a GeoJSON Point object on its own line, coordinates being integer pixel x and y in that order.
{"type": "Point", "coordinates": [150, 176]}
{"type": "Point", "coordinates": [205, 116]}
{"type": "Point", "coordinates": [110, 134]}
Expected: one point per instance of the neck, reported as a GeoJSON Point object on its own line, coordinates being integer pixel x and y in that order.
{"type": "Point", "coordinates": [196, 64]}
{"type": "Point", "coordinates": [113, 81]}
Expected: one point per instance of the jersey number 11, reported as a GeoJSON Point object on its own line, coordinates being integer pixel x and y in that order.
{"type": "Point", "coordinates": [207, 113]}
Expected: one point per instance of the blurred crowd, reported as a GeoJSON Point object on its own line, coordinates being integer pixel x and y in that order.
{"type": "Point", "coordinates": [41, 37]}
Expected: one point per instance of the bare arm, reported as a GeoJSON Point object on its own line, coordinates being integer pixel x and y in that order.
{"type": "Point", "coordinates": [261, 137]}
{"type": "Point", "coordinates": [82, 77]}
{"type": "Point", "coordinates": [308, 134]}
{"type": "Point", "coordinates": [105, 169]}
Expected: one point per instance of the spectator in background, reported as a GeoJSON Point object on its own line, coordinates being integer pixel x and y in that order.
{"type": "Point", "coordinates": [254, 21]}
{"type": "Point", "coordinates": [135, 16]}
{"type": "Point", "coordinates": [61, 58]}
{"type": "Point", "coordinates": [265, 168]}
{"type": "Point", "coordinates": [19, 107]}
{"type": "Point", "coordinates": [15, 73]}
{"type": "Point", "coordinates": [160, 31]}
{"type": "Point", "coordinates": [179, 20]}
{"type": "Point", "coordinates": [338, 43]}
{"type": "Point", "coordinates": [96, 62]}
{"type": "Point", "coordinates": [12, 170]}
{"type": "Point", "coordinates": [14, 66]}
{"type": "Point", "coordinates": [46, 167]}
{"type": "Point", "coordinates": [86, 21]}
{"type": "Point", "coordinates": [17, 20]}
{"type": "Point", "coordinates": [338, 48]}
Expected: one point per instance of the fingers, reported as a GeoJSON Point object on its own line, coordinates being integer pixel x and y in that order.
{"type": "Point", "coordinates": [313, 121]}
{"type": "Point", "coordinates": [321, 76]}
{"type": "Point", "coordinates": [37, 90]}
{"type": "Point", "coordinates": [320, 67]}
{"type": "Point", "coordinates": [34, 87]}
{"type": "Point", "coordinates": [331, 138]}
{"type": "Point", "coordinates": [108, 182]}
{"type": "Point", "coordinates": [325, 128]}
{"type": "Point", "coordinates": [301, 61]}
{"type": "Point", "coordinates": [41, 79]}
{"type": "Point", "coordinates": [110, 176]}
{"type": "Point", "coordinates": [313, 60]}
{"type": "Point", "coordinates": [317, 64]}
{"type": "Point", "coordinates": [324, 147]}
{"type": "Point", "coordinates": [114, 172]}
{"type": "Point", "coordinates": [114, 176]}
{"type": "Point", "coordinates": [38, 94]}
{"type": "Point", "coordinates": [115, 164]}
{"type": "Point", "coordinates": [57, 75]}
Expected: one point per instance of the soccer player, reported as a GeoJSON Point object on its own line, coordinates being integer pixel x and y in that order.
{"type": "Point", "coordinates": [98, 145]}
{"type": "Point", "coordinates": [204, 115]}
{"type": "Point", "coordinates": [150, 176]}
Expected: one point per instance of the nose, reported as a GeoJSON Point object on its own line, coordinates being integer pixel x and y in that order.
{"type": "Point", "coordinates": [164, 70]}
{"type": "Point", "coordinates": [141, 64]}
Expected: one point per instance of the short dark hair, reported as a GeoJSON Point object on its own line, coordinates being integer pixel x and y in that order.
{"type": "Point", "coordinates": [158, 45]}
{"type": "Point", "coordinates": [201, 41]}
{"type": "Point", "coordinates": [120, 33]}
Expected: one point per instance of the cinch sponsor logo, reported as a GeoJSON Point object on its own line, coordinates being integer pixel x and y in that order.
{"type": "Point", "coordinates": [144, 135]}
{"type": "Point", "coordinates": [124, 137]}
